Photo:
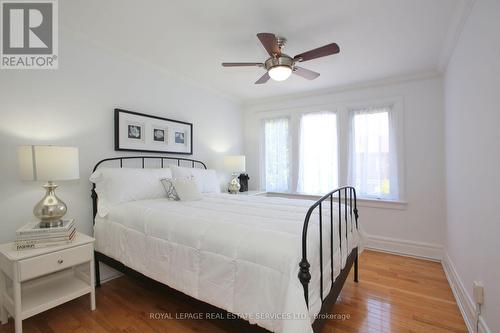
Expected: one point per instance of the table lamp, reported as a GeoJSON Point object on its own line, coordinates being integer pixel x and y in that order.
{"type": "Point", "coordinates": [235, 164]}
{"type": "Point", "coordinates": [49, 163]}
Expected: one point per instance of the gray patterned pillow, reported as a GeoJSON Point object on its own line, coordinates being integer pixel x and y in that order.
{"type": "Point", "coordinates": [169, 187]}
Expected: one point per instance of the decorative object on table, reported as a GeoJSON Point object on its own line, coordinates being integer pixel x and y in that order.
{"type": "Point", "coordinates": [236, 165]}
{"type": "Point", "coordinates": [243, 178]}
{"type": "Point", "coordinates": [35, 235]}
{"type": "Point", "coordinates": [49, 163]}
{"type": "Point", "coordinates": [141, 132]}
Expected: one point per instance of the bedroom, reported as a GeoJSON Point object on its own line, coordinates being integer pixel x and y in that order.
{"type": "Point", "coordinates": [415, 83]}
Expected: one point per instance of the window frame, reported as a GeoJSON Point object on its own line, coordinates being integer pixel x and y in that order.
{"type": "Point", "coordinates": [342, 110]}
{"type": "Point", "coordinates": [388, 110]}
{"type": "Point", "coordinates": [262, 151]}
{"type": "Point", "coordinates": [396, 104]}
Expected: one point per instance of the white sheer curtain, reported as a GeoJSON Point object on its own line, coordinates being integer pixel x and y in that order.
{"type": "Point", "coordinates": [373, 167]}
{"type": "Point", "coordinates": [277, 155]}
{"type": "Point", "coordinates": [318, 156]}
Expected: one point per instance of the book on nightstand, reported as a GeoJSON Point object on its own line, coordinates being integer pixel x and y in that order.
{"type": "Point", "coordinates": [33, 235]}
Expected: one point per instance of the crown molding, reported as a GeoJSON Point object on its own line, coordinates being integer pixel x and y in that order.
{"type": "Point", "coordinates": [424, 75]}
{"type": "Point", "coordinates": [153, 67]}
{"type": "Point", "coordinates": [459, 20]}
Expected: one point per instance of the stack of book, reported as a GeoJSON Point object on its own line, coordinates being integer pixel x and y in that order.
{"type": "Point", "coordinates": [33, 235]}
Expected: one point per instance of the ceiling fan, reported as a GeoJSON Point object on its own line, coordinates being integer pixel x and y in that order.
{"type": "Point", "coordinates": [280, 66]}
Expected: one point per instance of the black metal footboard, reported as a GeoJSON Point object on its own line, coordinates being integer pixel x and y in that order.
{"type": "Point", "coordinates": [343, 195]}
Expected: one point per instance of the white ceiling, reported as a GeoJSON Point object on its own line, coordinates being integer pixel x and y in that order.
{"type": "Point", "coordinates": [378, 39]}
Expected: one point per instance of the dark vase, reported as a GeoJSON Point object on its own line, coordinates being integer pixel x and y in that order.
{"type": "Point", "coordinates": [243, 182]}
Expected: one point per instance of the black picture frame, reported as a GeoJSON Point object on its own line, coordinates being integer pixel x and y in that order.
{"type": "Point", "coordinates": [119, 146]}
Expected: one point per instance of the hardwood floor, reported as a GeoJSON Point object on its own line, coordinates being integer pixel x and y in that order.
{"type": "Point", "coordinates": [395, 294]}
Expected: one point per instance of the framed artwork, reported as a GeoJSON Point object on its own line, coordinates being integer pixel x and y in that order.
{"type": "Point", "coordinates": [141, 132]}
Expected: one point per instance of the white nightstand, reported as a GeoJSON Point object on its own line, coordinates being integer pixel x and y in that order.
{"type": "Point", "coordinates": [252, 193]}
{"type": "Point", "coordinates": [32, 281]}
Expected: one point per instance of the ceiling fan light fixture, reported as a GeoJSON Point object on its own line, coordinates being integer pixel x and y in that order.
{"type": "Point", "coordinates": [279, 65]}
{"type": "Point", "coordinates": [280, 73]}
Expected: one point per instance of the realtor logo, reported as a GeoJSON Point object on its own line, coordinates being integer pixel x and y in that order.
{"type": "Point", "coordinates": [29, 34]}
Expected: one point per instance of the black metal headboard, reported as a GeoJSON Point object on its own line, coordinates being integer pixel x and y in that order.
{"type": "Point", "coordinates": [143, 160]}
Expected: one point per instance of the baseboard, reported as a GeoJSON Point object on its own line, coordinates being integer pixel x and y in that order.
{"type": "Point", "coordinates": [464, 301]}
{"type": "Point", "coordinates": [405, 247]}
{"type": "Point", "coordinates": [483, 328]}
{"type": "Point", "coordinates": [436, 253]}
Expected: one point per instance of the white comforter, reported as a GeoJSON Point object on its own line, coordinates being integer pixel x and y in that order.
{"type": "Point", "coordinates": [239, 253]}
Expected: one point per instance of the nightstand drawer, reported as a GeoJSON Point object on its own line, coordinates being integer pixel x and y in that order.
{"type": "Point", "coordinates": [49, 263]}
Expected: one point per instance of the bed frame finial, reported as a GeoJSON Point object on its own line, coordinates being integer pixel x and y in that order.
{"type": "Point", "coordinates": [305, 277]}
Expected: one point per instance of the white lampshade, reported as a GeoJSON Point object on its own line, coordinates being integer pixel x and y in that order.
{"type": "Point", "coordinates": [48, 163]}
{"type": "Point", "coordinates": [235, 163]}
{"type": "Point", "coordinates": [280, 73]}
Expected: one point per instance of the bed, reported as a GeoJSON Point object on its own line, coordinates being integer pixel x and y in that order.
{"type": "Point", "coordinates": [274, 262]}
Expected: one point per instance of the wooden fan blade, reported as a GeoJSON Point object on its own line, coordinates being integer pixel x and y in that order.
{"type": "Point", "coordinates": [270, 43]}
{"type": "Point", "coordinates": [305, 73]}
{"type": "Point", "coordinates": [242, 64]}
{"type": "Point", "coordinates": [263, 79]}
{"type": "Point", "coordinates": [318, 53]}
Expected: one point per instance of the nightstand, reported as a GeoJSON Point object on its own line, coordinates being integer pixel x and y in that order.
{"type": "Point", "coordinates": [252, 193]}
{"type": "Point", "coordinates": [32, 281]}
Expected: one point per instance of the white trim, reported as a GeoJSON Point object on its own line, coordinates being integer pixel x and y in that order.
{"type": "Point", "coordinates": [255, 103]}
{"type": "Point", "coordinates": [434, 252]}
{"type": "Point", "coordinates": [464, 301]}
{"type": "Point", "coordinates": [168, 72]}
{"type": "Point", "coordinates": [262, 148]}
{"type": "Point", "coordinates": [382, 204]}
{"type": "Point", "coordinates": [405, 247]}
{"type": "Point", "coordinates": [362, 202]}
{"type": "Point", "coordinates": [397, 122]}
{"type": "Point", "coordinates": [483, 328]}
{"type": "Point", "coordinates": [454, 32]}
{"type": "Point", "coordinates": [342, 109]}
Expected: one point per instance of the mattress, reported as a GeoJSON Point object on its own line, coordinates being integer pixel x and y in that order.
{"type": "Point", "coordinates": [239, 253]}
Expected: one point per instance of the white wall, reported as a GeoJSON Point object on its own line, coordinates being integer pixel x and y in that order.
{"type": "Point", "coordinates": [472, 113]}
{"type": "Point", "coordinates": [420, 224]}
{"type": "Point", "coordinates": [74, 106]}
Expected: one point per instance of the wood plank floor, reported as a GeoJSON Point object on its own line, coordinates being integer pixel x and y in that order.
{"type": "Point", "coordinates": [395, 294]}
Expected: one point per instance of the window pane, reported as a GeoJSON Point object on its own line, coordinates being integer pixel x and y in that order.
{"type": "Point", "coordinates": [318, 165]}
{"type": "Point", "coordinates": [277, 155]}
{"type": "Point", "coordinates": [371, 158]}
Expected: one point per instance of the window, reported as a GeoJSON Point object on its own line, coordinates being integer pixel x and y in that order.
{"type": "Point", "coordinates": [277, 155]}
{"type": "Point", "coordinates": [372, 154]}
{"type": "Point", "coordinates": [316, 150]}
{"type": "Point", "coordinates": [318, 155]}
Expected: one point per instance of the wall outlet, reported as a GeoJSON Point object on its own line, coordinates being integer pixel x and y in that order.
{"type": "Point", "coordinates": [478, 291]}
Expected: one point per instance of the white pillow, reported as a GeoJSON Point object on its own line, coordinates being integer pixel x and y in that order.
{"type": "Point", "coordinates": [118, 185]}
{"type": "Point", "coordinates": [186, 189]}
{"type": "Point", "coordinates": [206, 180]}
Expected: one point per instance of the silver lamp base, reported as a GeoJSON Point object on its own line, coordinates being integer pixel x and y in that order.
{"type": "Point", "coordinates": [234, 185]}
{"type": "Point", "coordinates": [50, 210]}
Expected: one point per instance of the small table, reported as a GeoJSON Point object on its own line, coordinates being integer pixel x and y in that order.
{"type": "Point", "coordinates": [33, 281]}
